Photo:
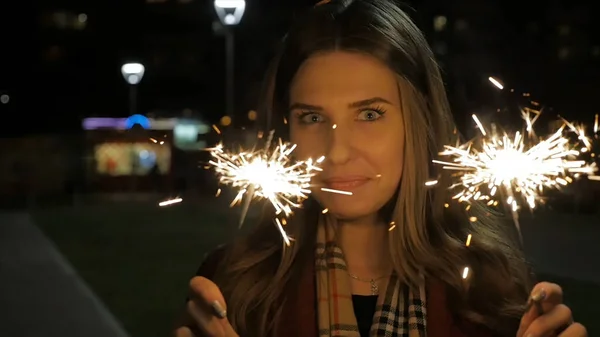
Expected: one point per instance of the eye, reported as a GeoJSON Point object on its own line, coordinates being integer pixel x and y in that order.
{"type": "Point", "coordinates": [370, 115]}
{"type": "Point", "coordinates": [310, 118]}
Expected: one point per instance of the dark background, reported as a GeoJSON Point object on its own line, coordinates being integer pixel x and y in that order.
{"type": "Point", "coordinates": [60, 62]}
{"type": "Point", "coordinates": [59, 66]}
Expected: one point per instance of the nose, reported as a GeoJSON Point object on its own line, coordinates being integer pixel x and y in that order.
{"type": "Point", "coordinates": [339, 147]}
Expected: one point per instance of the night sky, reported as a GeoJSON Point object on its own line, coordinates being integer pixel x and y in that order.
{"type": "Point", "coordinates": [58, 66]}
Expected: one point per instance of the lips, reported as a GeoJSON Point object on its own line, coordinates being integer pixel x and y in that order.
{"type": "Point", "coordinates": [345, 183]}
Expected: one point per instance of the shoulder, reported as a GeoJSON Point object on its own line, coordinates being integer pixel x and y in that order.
{"type": "Point", "coordinates": [211, 261]}
{"type": "Point", "coordinates": [447, 321]}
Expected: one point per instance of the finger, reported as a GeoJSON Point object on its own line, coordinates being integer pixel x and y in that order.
{"type": "Point", "coordinates": [547, 295]}
{"type": "Point", "coordinates": [207, 322]}
{"type": "Point", "coordinates": [543, 298]}
{"type": "Point", "coordinates": [184, 332]}
{"type": "Point", "coordinates": [551, 321]}
{"type": "Point", "coordinates": [208, 292]}
{"type": "Point", "coordinates": [574, 330]}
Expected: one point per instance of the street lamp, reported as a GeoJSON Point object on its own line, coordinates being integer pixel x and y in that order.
{"type": "Point", "coordinates": [132, 73]}
{"type": "Point", "coordinates": [230, 14]}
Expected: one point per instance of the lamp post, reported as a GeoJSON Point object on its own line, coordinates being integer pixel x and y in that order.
{"type": "Point", "coordinates": [133, 73]}
{"type": "Point", "coordinates": [230, 14]}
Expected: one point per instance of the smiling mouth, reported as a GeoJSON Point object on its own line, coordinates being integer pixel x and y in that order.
{"type": "Point", "coordinates": [346, 185]}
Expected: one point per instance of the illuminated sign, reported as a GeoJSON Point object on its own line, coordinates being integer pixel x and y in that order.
{"type": "Point", "coordinates": [183, 128]}
{"type": "Point", "coordinates": [140, 120]}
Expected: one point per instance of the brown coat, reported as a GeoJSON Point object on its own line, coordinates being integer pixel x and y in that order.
{"type": "Point", "coordinates": [299, 317]}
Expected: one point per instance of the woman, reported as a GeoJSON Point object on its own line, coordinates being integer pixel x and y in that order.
{"type": "Point", "coordinates": [356, 82]}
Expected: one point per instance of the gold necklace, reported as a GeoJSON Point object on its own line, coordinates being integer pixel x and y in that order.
{"type": "Point", "coordinates": [372, 282]}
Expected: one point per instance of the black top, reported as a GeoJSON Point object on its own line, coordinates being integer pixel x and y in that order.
{"type": "Point", "coordinates": [364, 310]}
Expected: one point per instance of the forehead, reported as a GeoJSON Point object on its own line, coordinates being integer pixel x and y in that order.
{"type": "Point", "coordinates": [344, 74]}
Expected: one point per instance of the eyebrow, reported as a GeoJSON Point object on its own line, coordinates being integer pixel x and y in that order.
{"type": "Point", "coordinates": [358, 104]}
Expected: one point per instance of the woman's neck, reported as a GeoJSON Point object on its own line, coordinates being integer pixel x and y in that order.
{"type": "Point", "coordinates": [365, 247]}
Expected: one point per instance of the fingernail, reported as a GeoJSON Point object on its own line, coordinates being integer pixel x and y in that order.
{"type": "Point", "coordinates": [221, 313]}
{"type": "Point", "coordinates": [539, 295]}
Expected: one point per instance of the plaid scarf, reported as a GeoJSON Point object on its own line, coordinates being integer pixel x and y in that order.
{"type": "Point", "coordinates": [399, 312]}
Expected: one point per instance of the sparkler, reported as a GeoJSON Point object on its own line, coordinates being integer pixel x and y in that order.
{"type": "Point", "coordinates": [170, 202]}
{"type": "Point", "coordinates": [501, 167]}
{"type": "Point", "coordinates": [269, 174]}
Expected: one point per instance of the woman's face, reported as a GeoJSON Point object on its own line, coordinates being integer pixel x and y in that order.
{"type": "Point", "coordinates": [346, 106]}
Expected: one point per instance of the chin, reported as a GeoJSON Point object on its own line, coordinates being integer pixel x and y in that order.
{"type": "Point", "coordinates": [348, 210]}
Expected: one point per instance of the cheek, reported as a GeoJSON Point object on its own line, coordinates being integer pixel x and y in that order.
{"type": "Point", "coordinates": [389, 157]}
{"type": "Point", "coordinates": [308, 144]}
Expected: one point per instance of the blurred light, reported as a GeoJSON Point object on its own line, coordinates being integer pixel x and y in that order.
{"type": "Point", "coordinates": [461, 25]}
{"type": "Point", "coordinates": [252, 115]}
{"type": "Point", "coordinates": [229, 19]}
{"type": "Point", "coordinates": [225, 120]}
{"type": "Point", "coordinates": [564, 30]}
{"type": "Point", "coordinates": [147, 159]}
{"type": "Point", "coordinates": [230, 3]}
{"type": "Point", "coordinates": [563, 53]}
{"type": "Point", "coordinates": [4, 99]}
{"type": "Point", "coordinates": [230, 12]}
{"type": "Point", "coordinates": [170, 202]}
{"type": "Point", "coordinates": [133, 72]}
{"type": "Point", "coordinates": [440, 47]}
{"type": "Point", "coordinates": [140, 120]}
{"type": "Point", "coordinates": [94, 123]}
{"type": "Point", "coordinates": [82, 17]}
{"type": "Point", "coordinates": [496, 83]}
{"type": "Point", "coordinates": [60, 19]}
{"type": "Point", "coordinates": [185, 133]}
{"type": "Point", "coordinates": [439, 23]}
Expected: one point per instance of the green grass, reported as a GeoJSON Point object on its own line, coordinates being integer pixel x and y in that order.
{"type": "Point", "coordinates": [138, 258]}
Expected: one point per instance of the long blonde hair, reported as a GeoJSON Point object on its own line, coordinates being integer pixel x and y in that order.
{"type": "Point", "coordinates": [259, 273]}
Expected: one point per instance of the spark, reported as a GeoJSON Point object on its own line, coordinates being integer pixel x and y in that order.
{"type": "Point", "coordinates": [496, 83]}
{"type": "Point", "coordinates": [392, 226]}
{"type": "Point", "coordinates": [431, 183]}
{"type": "Point", "coordinates": [156, 141]}
{"type": "Point", "coordinates": [284, 235]}
{"type": "Point", "coordinates": [508, 168]}
{"type": "Point", "coordinates": [170, 202]}
{"type": "Point", "coordinates": [269, 174]}
{"type": "Point", "coordinates": [324, 189]}
{"type": "Point", "coordinates": [465, 273]}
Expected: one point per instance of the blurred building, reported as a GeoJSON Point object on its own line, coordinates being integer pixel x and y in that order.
{"type": "Point", "coordinates": [140, 154]}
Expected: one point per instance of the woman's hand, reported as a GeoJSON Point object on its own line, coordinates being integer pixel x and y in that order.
{"type": "Point", "coordinates": [548, 316]}
{"type": "Point", "coordinates": [206, 313]}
